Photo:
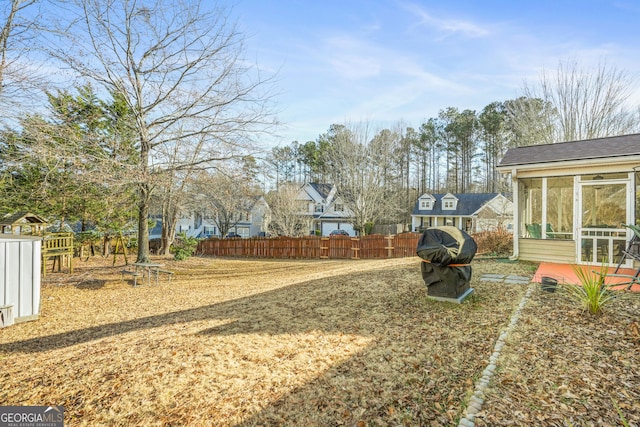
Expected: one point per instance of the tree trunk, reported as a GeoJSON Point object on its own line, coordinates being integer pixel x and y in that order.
{"type": "Point", "coordinates": [143, 224]}
{"type": "Point", "coordinates": [168, 233]}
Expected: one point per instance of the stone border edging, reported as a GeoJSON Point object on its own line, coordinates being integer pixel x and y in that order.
{"type": "Point", "coordinates": [477, 399]}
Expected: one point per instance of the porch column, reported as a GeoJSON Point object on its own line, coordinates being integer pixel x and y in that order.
{"type": "Point", "coordinates": [516, 213]}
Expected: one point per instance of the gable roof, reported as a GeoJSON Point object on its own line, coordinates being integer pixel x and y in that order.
{"type": "Point", "coordinates": [614, 146]}
{"type": "Point", "coordinates": [322, 189]}
{"type": "Point", "coordinates": [23, 223]}
{"type": "Point", "coordinates": [426, 196]}
{"type": "Point", "coordinates": [20, 218]}
{"type": "Point", "coordinates": [468, 204]}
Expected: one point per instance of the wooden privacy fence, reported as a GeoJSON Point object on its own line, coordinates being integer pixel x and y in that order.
{"type": "Point", "coordinates": [335, 247]}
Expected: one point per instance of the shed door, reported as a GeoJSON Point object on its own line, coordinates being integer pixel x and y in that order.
{"type": "Point", "coordinates": [604, 211]}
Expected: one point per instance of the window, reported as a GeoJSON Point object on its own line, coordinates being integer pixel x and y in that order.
{"type": "Point", "coordinates": [559, 208]}
{"type": "Point", "coordinates": [530, 207]}
{"type": "Point", "coordinates": [319, 207]}
{"type": "Point", "coordinates": [548, 201]}
{"type": "Point", "coordinates": [449, 202]}
{"type": "Point", "coordinates": [339, 207]}
{"type": "Point", "coordinates": [426, 204]}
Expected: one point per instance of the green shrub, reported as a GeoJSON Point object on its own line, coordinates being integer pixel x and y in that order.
{"type": "Point", "coordinates": [368, 228]}
{"type": "Point", "coordinates": [183, 247]}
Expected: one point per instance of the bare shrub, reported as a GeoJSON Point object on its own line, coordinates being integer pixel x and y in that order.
{"type": "Point", "coordinates": [495, 242]}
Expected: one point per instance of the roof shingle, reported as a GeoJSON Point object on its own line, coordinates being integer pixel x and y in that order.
{"type": "Point", "coordinates": [614, 146]}
{"type": "Point", "coordinates": [468, 203]}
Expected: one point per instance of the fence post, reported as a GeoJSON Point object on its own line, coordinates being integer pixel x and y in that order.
{"type": "Point", "coordinates": [389, 246]}
{"type": "Point", "coordinates": [355, 248]}
{"type": "Point", "coordinates": [324, 247]}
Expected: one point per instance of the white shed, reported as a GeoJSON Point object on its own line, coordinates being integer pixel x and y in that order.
{"type": "Point", "coordinates": [20, 263]}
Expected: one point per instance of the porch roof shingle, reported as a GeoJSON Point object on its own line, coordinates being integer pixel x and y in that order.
{"type": "Point", "coordinates": [614, 146]}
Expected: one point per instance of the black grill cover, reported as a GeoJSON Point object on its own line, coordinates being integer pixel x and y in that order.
{"type": "Point", "coordinates": [440, 247]}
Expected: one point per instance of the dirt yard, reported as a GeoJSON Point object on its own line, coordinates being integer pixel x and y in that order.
{"type": "Point", "coordinates": [314, 343]}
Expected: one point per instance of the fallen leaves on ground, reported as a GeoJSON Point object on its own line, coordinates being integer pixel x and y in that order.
{"type": "Point", "coordinates": [563, 366]}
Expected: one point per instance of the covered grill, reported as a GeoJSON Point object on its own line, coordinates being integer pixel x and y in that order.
{"type": "Point", "coordinates": [447, 253]}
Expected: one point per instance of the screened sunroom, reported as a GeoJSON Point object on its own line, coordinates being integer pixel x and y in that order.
{"type": "Point", "coordinates": [573, 199]}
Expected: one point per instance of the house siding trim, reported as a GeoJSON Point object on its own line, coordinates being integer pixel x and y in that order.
{"type": "Point", "coordinates": [560, 251]}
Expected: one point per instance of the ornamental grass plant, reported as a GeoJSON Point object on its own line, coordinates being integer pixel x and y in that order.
{"type": "Point", "coordinates": [592, 294]}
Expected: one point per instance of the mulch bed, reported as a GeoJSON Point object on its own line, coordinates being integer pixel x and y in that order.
{"type": "Point", "coordinates": [354, 343]}
{"type": "Point", "coordinates": [564, 367]}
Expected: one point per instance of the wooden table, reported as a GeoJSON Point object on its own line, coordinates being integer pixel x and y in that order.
{"type": "Point", "coordinates": [151, 267]}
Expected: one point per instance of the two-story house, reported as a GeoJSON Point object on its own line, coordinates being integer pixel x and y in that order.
{"type": "Point", "coordinates": [250, 223]}
{"type": "Point", "coordinates": [469, 212]}
{"type": "Point", "coordinates": [325, 209]}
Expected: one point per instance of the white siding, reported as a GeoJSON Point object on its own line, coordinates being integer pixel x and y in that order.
{"type": "Point", "coordinates": [20, 263]}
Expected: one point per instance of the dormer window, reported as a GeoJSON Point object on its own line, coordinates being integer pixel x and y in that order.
{"type": "Point", "coordinates": [449, 202]}
{"type": "Point", "coordinates": [426, 203]}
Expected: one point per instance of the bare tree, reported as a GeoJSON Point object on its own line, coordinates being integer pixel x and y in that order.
{"type": "Point", "coordinates": [178, 65]}
{"type": "Point", "coordinates": [587, 104]}
{"type": "Point", "coordinates": [172, 197]}
{"type": "Point", "coordinates": [360, 175]}
{"type": "Point", "coordinates": [530, 121]}
{"type": "Point", "coordinates": [286, 216]}
{"type": "Point", "coordinates": [11, 31]}
{"type": "Point", "coordinates": [19, 30]}
{"type": "Point", "coordinates": [225, 196]}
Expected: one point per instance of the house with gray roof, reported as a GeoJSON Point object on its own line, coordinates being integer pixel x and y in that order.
{"type": "Point", "coordinates": [573, 199]}
{"type": "Point", "coordinates": [324, 209]}
{"type": "Point", "coordinates": [470, 212]}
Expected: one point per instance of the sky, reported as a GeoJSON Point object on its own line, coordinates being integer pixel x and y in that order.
{"type": "Point", "coordinates": [399, 62]}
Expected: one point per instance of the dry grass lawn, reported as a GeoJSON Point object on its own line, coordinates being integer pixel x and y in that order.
{"type": "Point", "coordinates": [314, 343]}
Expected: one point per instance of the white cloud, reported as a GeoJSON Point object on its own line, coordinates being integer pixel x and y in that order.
{"type": "Point", "coordinates": [447, 26]}
{"type": "Point", "coordinates": [407, 62]}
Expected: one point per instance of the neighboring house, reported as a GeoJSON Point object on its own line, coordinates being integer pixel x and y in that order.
{"type": "Point", "coordinates": [251, 223]}
{"type": "Point", "coordinates": [255, 221]}
{"type": "Point", "coordinates": [324, 208]}
{"type": "Point", "coordinates": [469, 212]}
{"type": "Point", "coordinates": [572, 199]}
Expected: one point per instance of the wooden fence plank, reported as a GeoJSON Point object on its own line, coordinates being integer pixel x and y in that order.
{"type": "Point", "coordinates": [316, 247]}
{"type": "Point", "coordinates": [310, 247]}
